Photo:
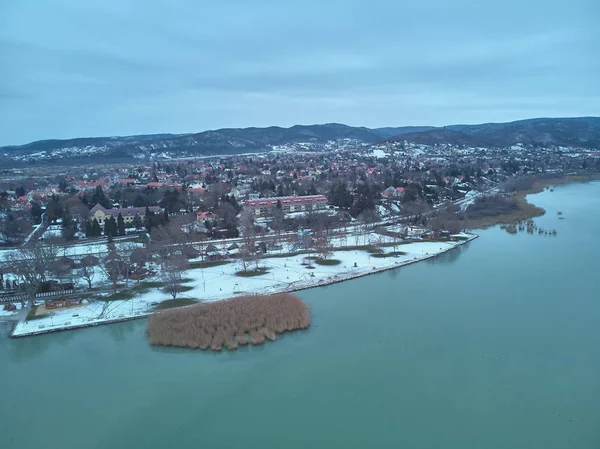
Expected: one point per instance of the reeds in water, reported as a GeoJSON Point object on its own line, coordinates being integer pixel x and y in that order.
{"type": "Point", "coordinates": [238, 321]}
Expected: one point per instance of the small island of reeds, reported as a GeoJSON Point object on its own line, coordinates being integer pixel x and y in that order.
{"type": "Point", "coordinates": [239, 321]}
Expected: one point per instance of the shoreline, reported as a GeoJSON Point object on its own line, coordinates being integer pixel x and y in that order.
{"type": "Point", "coordinates": [294, 287]}
{"type": "Point", "coordinates": [341, 278]}
{"type": "Point", "coordinates": [528, 210]}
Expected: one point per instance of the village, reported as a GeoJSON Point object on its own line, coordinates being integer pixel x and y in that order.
{"type": "Point", "coordinates": [85, 246]}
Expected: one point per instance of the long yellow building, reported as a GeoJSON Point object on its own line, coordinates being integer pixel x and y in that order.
{"type": "Point", "coordinates": [101, 214]}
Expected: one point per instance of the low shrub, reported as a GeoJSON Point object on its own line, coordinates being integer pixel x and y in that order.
{"type": "Point", "coordinates": [384, 255]}
{"type": "Point", "coordinates": [208, 264]}
{"type": "Point", "coordinates": [180, 289]}
{"type": "Point", "coordinates": [328, 262]}
{"type": "Point", "coordinates": [251, 273]}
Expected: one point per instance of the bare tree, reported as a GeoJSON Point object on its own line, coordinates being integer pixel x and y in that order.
{"type": "Point", "coordinates": [367, 218]}
{"type": "Point", "coordinates": [454, 226]}
{"type": "Point", "coordinates": [171, 272]}
{"type": "Point", "coordinates": [246, 220]}
{"type": "Point", "coordinates": [173, 237]}
{"type": "Point", "coordinates": [436, 224]}
{"type": "Point", "coordinates": [87, 273]}
{"type": "Point", "coordinates": [323, 246]}
{"type": "Point", "coordinates": [380, 242]}
{"type": "Point", "coordinates": [200, 244]}
{"type": "Point", "coordinates": [139, 258]}
{"type": "Point", "coordinates": [277, 223]}
{"type": "Point", "coordinates": [65, 270]}
{"type": "Point", "coordinates": [214, 194]}
{"type": "Point", "coordinates": [117, 264]}
{"type": "Point", "coordinates": [171, 244]}
{"type": "Point", "coordinates": [248, 253]}
{"type": "Point", "coordinates": [357, 235]}
{"type": "Point", "coordinates": [32, 265]}
{"type": "Point", "coordinates": [227, 214]}
{"type": "Point", "coordinates": [15, 227]}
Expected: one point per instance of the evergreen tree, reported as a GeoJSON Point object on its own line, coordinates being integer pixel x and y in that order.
{"type": "Point", "coordinates": [36, 212]}
{"type": "Point", "coordinates": [340, 196]}
{"type": "Point", "coordinates": [89, 230]}
{"type": "Point", "coordinates": [67, 220]}
{"type": "Point", "coordinates": [69, 227]}
{"type": "Point", "coordinates": [171, 201]}
{"type": "Point", "coordinates": [63, 184]}
{"type": "Point", "coordinates": [110, 227]}
{"type": "Point", "coordinates": [137, 222]}
{"type": "Point", "coordinates": [139, 201]}
{"type": "Point", "coordinates": [120, 225]}
{"type": "Point", "coordinates": [148, 219]}
{"type": "Point", "coordinates": [96, 228]}
{"type": "Point", "coordinates": [54, 209]}
{"type": "Point", "coordinates": [99, 197]}
{"type": "Point", "coordinates": [411, 192]}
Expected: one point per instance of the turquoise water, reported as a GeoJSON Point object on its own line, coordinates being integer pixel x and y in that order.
{"type": "Point", "coordinates": [494, 345]}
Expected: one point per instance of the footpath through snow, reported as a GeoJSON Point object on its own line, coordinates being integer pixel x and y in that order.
{"type": "Point", "coordinates": [285, 274]}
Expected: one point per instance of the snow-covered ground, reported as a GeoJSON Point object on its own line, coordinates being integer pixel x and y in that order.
{"type": "Point", "coordinates": [220, 282]}
{"type": "Point", "coordinates": [32, 233]}
{"type": "Point", "coordinates": [6, 313]}
{"type": "Point", "coordinates": [379, 154]}
{"type": "Point", "coordinates": [95, 248]}
{"type": "Point", "coordinates": [53, 231]}
{"type": "Point", "coordinates": [472, 195]}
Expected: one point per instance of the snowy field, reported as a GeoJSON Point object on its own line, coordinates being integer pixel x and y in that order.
{"type": "Point", "coordinates": [286, 273]}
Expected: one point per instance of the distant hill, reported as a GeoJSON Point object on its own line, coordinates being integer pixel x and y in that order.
{"type": "Point", "coordinates": [391, 132]}
{"type": "Point", "coordinates": [583, 131]}
{"type": "Point", "coordinates": [217, 142]}
{"type": "Point", "coordinates": [437, 136]}
{"type": "Point", "coordinates": [578, 132]}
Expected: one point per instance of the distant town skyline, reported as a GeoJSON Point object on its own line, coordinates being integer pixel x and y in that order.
{"type": "Point", "coordinates": [107, 68]}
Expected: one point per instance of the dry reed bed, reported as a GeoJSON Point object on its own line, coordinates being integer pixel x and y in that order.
{"type": "Point", "coordinates": [522, 210]}
{"type": "Point", "coordinates": [239, 321]}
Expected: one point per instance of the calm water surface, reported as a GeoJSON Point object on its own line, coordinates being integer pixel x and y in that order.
{"type": "Point", "coordinates": [494, 345]}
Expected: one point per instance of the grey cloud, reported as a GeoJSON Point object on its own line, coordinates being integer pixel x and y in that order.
{"type": "Point", "coordinates": [107, 67]}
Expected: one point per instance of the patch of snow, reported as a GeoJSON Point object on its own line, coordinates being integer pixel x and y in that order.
{"type": "Point", "coordinates": [382, 211]}
{"type": "Point", "coordinates": [379, 154]}
{"type": "Point", "coordinates": [5, 313]}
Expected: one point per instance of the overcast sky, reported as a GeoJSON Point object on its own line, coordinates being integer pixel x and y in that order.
{"type": "Point", "coordinates": [73, 68]}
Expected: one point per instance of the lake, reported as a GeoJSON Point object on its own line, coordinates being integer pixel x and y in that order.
{"type": "Point", "coordinates": [493, 345]}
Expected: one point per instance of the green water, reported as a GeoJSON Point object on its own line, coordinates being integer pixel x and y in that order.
{"type": "Point", "coordinates": [494, 345]}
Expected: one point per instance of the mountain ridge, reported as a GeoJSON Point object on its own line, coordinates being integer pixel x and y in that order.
{"type": "Point", "coordinates": [568, 131]}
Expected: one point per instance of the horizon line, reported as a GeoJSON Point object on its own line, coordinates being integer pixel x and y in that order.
{"type": "Point", "coordinates": [298, 124]}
